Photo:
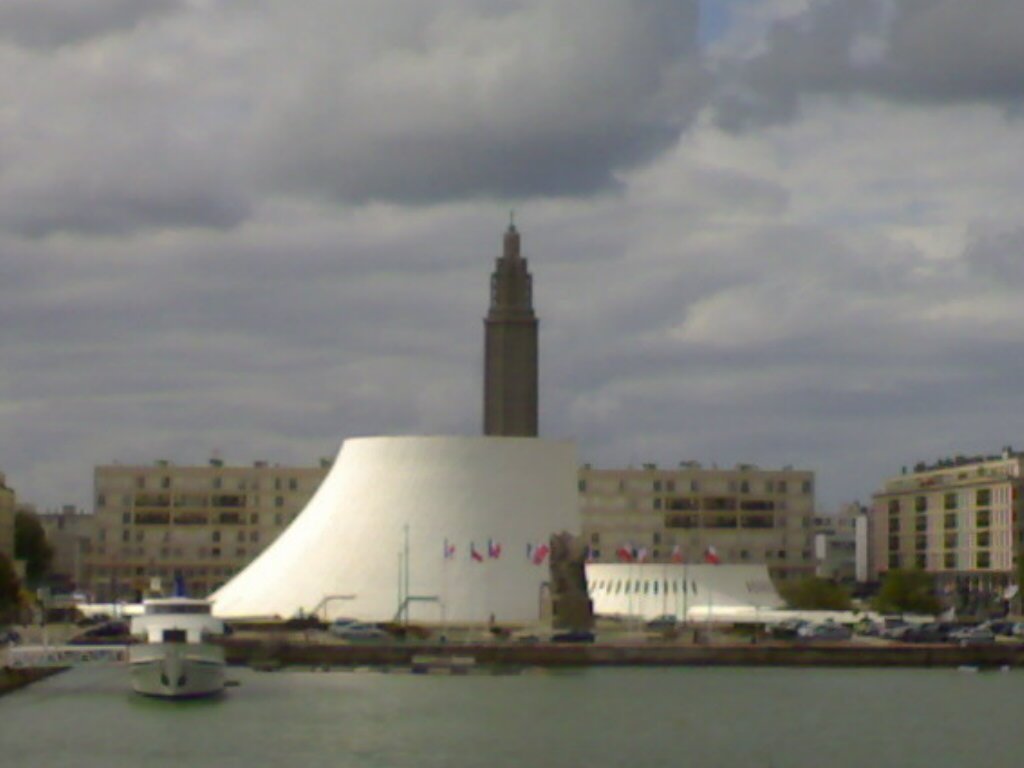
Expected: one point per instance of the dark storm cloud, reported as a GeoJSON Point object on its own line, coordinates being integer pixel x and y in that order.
{"type": "Point", "coordinates": [932, 51]}
{"type": "Point", "coordinates": [998, 254]}
{"type": "Point", "coordinates": [478, 99]}
{"type": "Point", "coordinates": [53, 23]}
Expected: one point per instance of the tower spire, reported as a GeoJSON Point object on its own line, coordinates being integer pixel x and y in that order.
{"type": "Point", "coordinates": [510, 345]}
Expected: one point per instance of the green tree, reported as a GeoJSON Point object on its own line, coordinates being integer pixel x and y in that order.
{"type": "Point", "coordinates": [907, 591]}
{"type": "Point", "coordinates": [30, 545]}
{"type": "Point", "coordinates": [9, 589]}
{"type": "Point", "coordinates": [811, 594]}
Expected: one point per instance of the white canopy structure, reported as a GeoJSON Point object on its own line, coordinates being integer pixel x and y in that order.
{"type": "Point", "coordinates": [434, 528]}
{"type": "Point", "coordinates": [727, 593]}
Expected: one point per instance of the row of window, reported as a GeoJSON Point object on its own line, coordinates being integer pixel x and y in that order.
{"type": "Point", "coordinates": [158, 502]}
{"type": "Point", "coordinates": [949, 561]}
{"type": "Point", "coordinates": [643, 587]}
{"type": "Point", "coordinates": [983, 497]}
{"type": "Point", "coordinates": [199, 518]}
{"type": "Point", "coordinates": [949, 541]}
{"type": "Point", "coordinates": [951, 520]}
{"type": "Point", "coordinates": [694, 486]}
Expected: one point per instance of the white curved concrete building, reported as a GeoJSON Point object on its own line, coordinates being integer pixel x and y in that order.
{"type": "Point", "coordinates": [687, 592]}
{"type": "Point", "coordinates": [401, 517]}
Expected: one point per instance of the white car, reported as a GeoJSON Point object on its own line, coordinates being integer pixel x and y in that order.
{"type": "Point", "coordinates": [349, 629]}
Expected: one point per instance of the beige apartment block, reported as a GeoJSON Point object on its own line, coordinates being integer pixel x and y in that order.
{"type": "Point", "coordinates": [203, 522]}
{"type": "Point", "coordinates": [7, 507]}
{"type": "Point", "coordinates": [747, 515]}
{"type": "Point", "coordinates": [70, 532]}
{"type": "Point", "coordinates": [959, 519]}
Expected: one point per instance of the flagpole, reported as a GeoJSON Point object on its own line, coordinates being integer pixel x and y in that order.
{"type": "Point", "coordinates": [406, 583]}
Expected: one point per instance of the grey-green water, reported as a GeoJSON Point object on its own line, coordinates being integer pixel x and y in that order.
{"type": "Point", "coordinates": [786, 718]}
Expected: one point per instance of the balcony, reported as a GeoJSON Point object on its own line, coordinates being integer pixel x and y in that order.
{"type": "Point", "coordinates": [152, 518]}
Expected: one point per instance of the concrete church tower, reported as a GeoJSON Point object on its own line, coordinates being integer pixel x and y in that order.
{"type": "Point", "coordinates": [510, 347]}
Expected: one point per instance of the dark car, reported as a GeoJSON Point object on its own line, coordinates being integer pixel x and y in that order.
{"type": "Point", "coordinates": [9, 635]}
{"type": "Point", "coordinates": [108, 632]}
{"type": "Point", "coordinates": [932, 632]}
{"type": "Point", "coordinates": [573, 636]}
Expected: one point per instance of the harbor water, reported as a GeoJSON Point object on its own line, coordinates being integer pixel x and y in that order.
{"type": "Point", "coordinates": [784, 718]}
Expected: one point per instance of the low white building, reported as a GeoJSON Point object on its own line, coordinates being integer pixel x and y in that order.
{"type": "Point", "coordinates": [726, 593]}
{"type": "Point", "coordinates": [433, 528]}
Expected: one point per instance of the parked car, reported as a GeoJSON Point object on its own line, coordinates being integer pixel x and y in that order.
{"type": "Point", "coordinates": [787, 630]}
{"type": "Point", "coordinates": [107, 632]}
{"type": "Point", "coordinates": [979, 635]}
{"type": "Point", "coordinates": [666, 621]}
{"type": "Point", "coordinates": [932, 632]}
{"type": "Point", "coordinates": [828, 630]}
{"type": "Point", "coordinates": [9, 636]}
{"type": "Point", "coordinates": [573, 636]}
{"type": "Point", "coordinates": [1000, 627]}
{"type": "Point", "coordinates": [355, 631]}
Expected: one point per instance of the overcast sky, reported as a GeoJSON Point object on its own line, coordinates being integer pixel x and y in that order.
{"type": "Point", "coordinates": [766, 231]}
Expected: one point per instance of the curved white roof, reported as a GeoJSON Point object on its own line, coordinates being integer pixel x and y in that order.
{"type": "Point", "coordinates": [350, 540]}
{"type": "Point", "coordinates": [688, 592]}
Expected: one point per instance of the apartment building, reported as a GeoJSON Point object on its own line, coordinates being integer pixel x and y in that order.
{"type": "Point", "coordinates": [69, 531]}
{"type": "Point", "coordinates": [744, 515]}
{"type": "Point", "coordinates": [200, 523]}
{"type": "Point", "coordinates": [959, 519]}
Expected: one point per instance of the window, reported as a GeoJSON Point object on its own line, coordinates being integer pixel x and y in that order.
{"type": "Point", "coordinates": [101, 500]}
{"type": "Point", "coordinates": [165, 482]}
{"type": "Point", "coordinates": [215, 536]}
{"type": "Point", "coordinates": [983, 497]}
{"type": "Point", "coordinates": [921, 523]}
{"type": "Point", "coordinates": [984, 560]}
{"type": "Point", "coordinates": [126, 535]}
{"type": "Point", "coordinates": [949, 501]}
{"type": "Point", "coordinates": [950, 521]}
{"type": "Point", "coordinates": [215, 552]}
{"type": "Point", "coordinates": [657, 486]}
{"type": "Point", "coordinates": [240, 536]}
{"type": "Point", "coordinates": [951, 541]}
{"type": "Point", "coordinates": [582, 486]}
{"type": "Point", "coordinates": [126, 518]}
{"type": "Point", "coordinates": [894, 524]}
{"type": "Point", "coordinates": [217, 483]}
{"type": "Point", "coordinates": [806, 487]}
{"type": "Point", "coordinates": [656, 538]}
{"type": "Point", "coordinates": [657, 503]}
{"type": "Point", "coordinates": [921, 542]}
{"type": "Point", "coordinates": [894, 506]}
{"type": "Point", "coordinates": [279, 501]}
{"type": "Point", "coordinates": [670, 485]}
{"type": "Point", "coordinates": [745, 487]}
{"type": "Point", "coordinates": [921, 561]}
{"type": "Point", "coordinates": [783, 486]}
{"type": "Point", "coordinates": [894, 543]}
{"type": "Point", "coordinates": [983, 518]}
{"type": "Point", "coordinates": [595, 538]}
{"type": "Point", "coordinates": [293, 484]}
{"type": "Point", "coordinates": [984, 539]}
{"type": "Point", "coordinates": [921, 504]}
{"type": "Point", "coordinates": [949, 561]}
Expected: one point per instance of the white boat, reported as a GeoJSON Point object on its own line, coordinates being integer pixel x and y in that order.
{"type": "Point", "coordinates": [175, 658]}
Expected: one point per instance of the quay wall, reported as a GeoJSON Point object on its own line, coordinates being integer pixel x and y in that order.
{"type": "Point", "coordinates": [275, 652]}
